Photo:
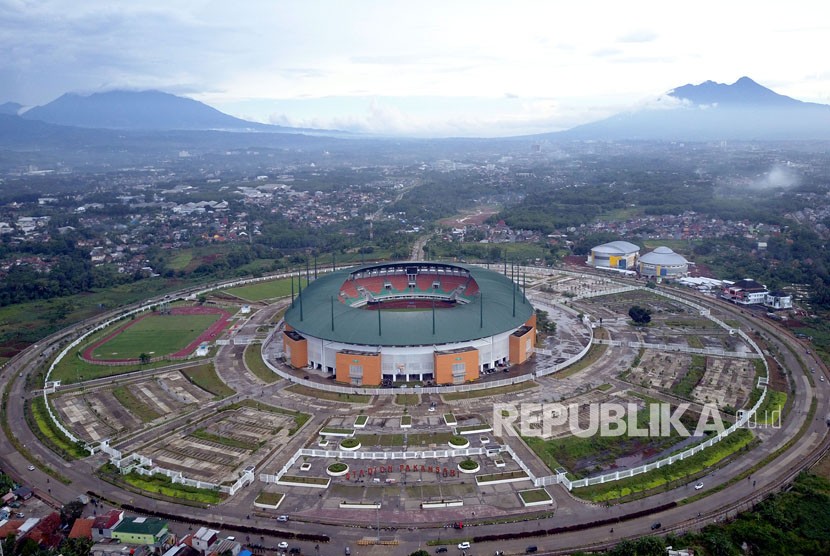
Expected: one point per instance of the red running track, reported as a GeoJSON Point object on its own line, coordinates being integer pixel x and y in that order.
{"type": "Point", "coordinates": [210, 334]}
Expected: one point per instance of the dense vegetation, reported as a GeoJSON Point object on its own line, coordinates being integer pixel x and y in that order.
{"type": "Point", "coordinates": [792, 523]}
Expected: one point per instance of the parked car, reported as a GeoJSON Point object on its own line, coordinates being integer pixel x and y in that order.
{"type": "Point", "coordinates": [698, 486]}
{"type": "Point", "coordinates": [282, 518]}
{"type": "Point", "coordinates": [656, 525]}
{"type": "Point", "coordinates": [440, 549]}
{"type": "Point", "coordinates": [283, 545]}
{"type": "Point", "coordinates": [531, 549]}
{"type": "Point", "coordinates": [463, 545]}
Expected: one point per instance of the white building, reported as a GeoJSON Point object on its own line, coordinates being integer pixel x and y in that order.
{"type": "Point", "coordinates": [778, 300]}
{"type": "Point", "coordinates": [663, 263]}
{"type": "Point", "coordinates": [616, 254]}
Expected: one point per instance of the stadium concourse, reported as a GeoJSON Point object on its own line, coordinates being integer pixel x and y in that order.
{"type": "Point", "coordinates": [434, 323]}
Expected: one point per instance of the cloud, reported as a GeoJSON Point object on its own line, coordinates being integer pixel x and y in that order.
{"type": "Point", "coordinates": [508, 116]}
{"type": "Point", "coordinates": [779, 176]}
{"type": "Point", "coordinates": [606, 52]}
{"type": "Point", "coordinates": [638, 36]}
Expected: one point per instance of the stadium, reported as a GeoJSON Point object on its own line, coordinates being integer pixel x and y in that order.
{"type": "Point", "coordinates": [663, 263]}
{"type": "Point", "coordinates": [616, 255]}
{"type": "Point", "coordinates": [425, 322]}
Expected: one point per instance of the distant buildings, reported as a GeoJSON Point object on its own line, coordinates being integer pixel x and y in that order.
{"type": "Point", "coordinates": [663, 263]}
{"type": "Point", "coordinates": [745, 292]}
{"type": "Point", "coordinates": [617, 255]}
{"type": "Point", "coordinates": [623, 256]}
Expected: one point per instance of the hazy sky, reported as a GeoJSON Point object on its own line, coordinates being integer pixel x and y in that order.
{"type": "Point", "coordinates": [418, 67]}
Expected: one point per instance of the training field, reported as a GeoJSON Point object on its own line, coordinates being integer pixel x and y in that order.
{"type": "Point", "coordinates": [159, 335]}
{"type": "Point", "coordinates": [265, 290]}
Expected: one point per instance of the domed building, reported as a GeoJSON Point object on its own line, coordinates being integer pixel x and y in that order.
{"type": "Point", "coordinates": [618, 255]}
{"type": "Point", "coordinates": [663, 263]}
{"type": "Point", "coordinates": [409, 321]}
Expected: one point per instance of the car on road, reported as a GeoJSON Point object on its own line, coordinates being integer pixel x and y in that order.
{"type": "Point", "coordinates": [698, 486]}
{"type": "Point", "coordinates": [282, 518]}
{"type": "Point", "coordinates": [283, 545]}
{"type": "Point", "coordinates": [656, 525]}
{"type": "Point", "coordinates": [431, 409]}
{"type": "Point", "coordinates": [463, 545]}
{"type": "Point", "coordinates": [31, 468]}
{"type": "Point", "coordinates": [531, 549]}
{"type": "Point", "coordinates": [348, 551]}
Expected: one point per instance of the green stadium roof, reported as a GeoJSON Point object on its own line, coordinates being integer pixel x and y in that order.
{"type": "Point", "coordinates": [490, 312]}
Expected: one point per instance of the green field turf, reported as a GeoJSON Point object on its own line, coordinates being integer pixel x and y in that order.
{"type": "Point", "coordinates": [156, 335]}
{"type": "Point", "coordinates": [266, 290]}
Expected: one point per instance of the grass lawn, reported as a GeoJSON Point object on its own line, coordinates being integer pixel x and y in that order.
{"type": "Point", "coordinates": [45, 429]}
{"type": "Point", "coordinates": [71, 368]}
{"type": "Point", "coordinates": [332, 396]}
{"type": "Point", "coordinates": [772, 410]}
{"type": "Point", "coordinates": [518, 387]}
{"type": "Point", "coordinates": [582, 455]}
{"type": "Point", "coordinates": [269, 289]}
{"type": "Point", "coordinates": [205, 377]}
{"type": "Point", "coordinates": [156, 335]}
{"type": "Point", "coordinates": [269, 498]}
{"type": "Point", "coordinates": [678, 471]}
{"type": "Point", "coordinates": [407, 399]}
{"type": "Point", "coordinates": [134, 405]}
{"type": "Point", "coordinates": [255, 364]}
{"type": "Point", "coordinates": [159, 484]}
{"type": "Point", "coordinates": [180, 260]}
{"type": "Point", "coordinates": [535, 495]}
{"type": "Point", "coordinates": [300, 419]}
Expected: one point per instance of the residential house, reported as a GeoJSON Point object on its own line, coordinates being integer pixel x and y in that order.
{"type": "Point", "coordinates": [104, 524]}
{"type": "Point", "coordinates": [141, 530]}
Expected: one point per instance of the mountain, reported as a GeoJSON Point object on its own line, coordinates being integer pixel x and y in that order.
{"type": "Point", "coordinates": [142, 110]}
{"type": "Point", "coordinates": [12, 108]}
{"type": "Point", "coordinates": [712, 111]}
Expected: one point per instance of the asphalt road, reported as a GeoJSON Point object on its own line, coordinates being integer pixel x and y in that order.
{"type": "Point", "coordinates": [237, 511]}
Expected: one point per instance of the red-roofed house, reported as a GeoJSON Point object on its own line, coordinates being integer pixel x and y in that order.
{"type": "Point", "coordinates": [104, 524]}
{"type": "Point", "coordinates": [82, 528]}
{"type": "Point", "coordinates": [11, 527]}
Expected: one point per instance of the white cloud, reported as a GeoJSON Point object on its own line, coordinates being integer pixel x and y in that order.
{"type": "Point", "coordinates": [588, 53]}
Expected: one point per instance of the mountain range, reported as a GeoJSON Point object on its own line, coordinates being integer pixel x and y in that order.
{"type": "Point", "coordinates": [141, 110]}
{"type": "Point", "coordinates": [708, 111]}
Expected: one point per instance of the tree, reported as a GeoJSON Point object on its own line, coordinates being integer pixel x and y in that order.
{"type": "Point", "coordinates": [421, 552]}
{"type": "Point", "coordinates": [144, 358]}
{"type": "Point", "coordinates": [639, 315]}
{"type": "Point", "coordinates": [71, 511]}
{"type": "Point", "coordinates": [543, 322]}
